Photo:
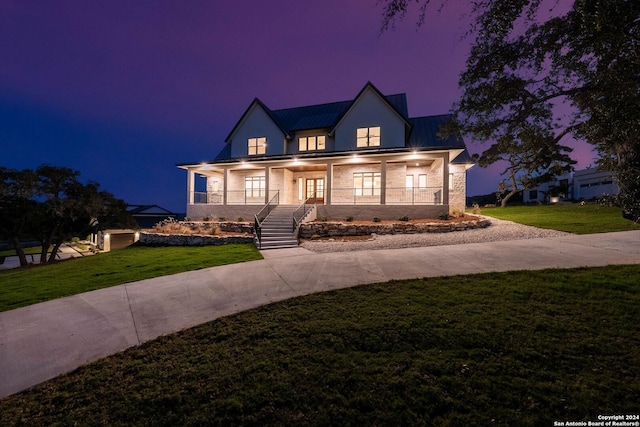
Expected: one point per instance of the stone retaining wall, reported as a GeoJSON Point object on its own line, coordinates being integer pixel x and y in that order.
{"type": "Point", "coordinates": [227, 226]}
{"type": "Point", "coordinates": [331, 229]}
{"type": "Point", "coordinates": [153, 239]}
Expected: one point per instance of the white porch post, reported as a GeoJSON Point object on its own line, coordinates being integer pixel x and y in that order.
{"type": "Point", "coordinates": [225, 185]}
{"type": "Point", "coordinates": [445, 179]}
{"type": "Point", "coordinates": [327, 200]}
{"type": "Point", "coordinates": [267, 170]}
{"type": "Point", "coordinates": [190, 186]}
{"type": "Point", "coordinates": [383, 182]}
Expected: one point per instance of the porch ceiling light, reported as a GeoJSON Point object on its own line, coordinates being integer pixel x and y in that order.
{"type": "Point", "coordinates": [355, 158]}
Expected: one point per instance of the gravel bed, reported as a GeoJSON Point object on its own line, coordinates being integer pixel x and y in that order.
{"type": "Point", "coordinates": [498, 230]}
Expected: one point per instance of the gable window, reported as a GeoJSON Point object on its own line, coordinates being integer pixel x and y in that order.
{"type": "Point", "coordinates": [311, 143]}
{"type": "Point", "coordinates": [254, 186]}
{"type": "Point", "coordinates": [366, 183]}
{"type": "Point", "coordinates": [368, 137]}
{"type": "Point", "coordinates": [257, 146]}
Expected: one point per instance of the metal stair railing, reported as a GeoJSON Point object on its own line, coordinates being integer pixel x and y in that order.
{"type": "Point", "coordinates": [298, 215]}
{"type": "Point", "coordinates": [262, 215]}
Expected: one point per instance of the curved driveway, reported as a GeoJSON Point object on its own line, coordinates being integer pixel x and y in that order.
{"type": "Point", "coordinates": [42, 341]}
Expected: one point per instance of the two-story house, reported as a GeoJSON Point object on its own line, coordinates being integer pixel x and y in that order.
{"type": "Point", "coordinates": [364, 158]}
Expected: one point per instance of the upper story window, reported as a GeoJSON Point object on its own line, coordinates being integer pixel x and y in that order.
{"type": "Point", "coordinates": [368, 137]}
{"type": "Point", "coordinates": [257, 146]}
{"type": "Point", "coordinates": [311, 143]}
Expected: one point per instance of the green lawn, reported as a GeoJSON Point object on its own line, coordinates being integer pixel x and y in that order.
{"type": "Point", "coordinates": [25, 286]}
{"type": "Point", "coordinates": [502, 349]}
{"type": "Point", "coordinates": [569, 217]}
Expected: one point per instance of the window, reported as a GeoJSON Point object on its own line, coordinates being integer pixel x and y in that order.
{"type": "Point", "coordinates": [533, 194]}
{"type": "Point", "coordinates": [311, 143]}
{"type": "Point", "coordinates": [409, 181]}
{"type": "Point", "coordinates": [254, 186]}
{"type": "Point", "coordinates": [366, 183]}
{"type": "Point", "coordinates": [422, 181]}
{"type": "Point", "coordinates": [257, 146]}
{"type": "Point", "coordinates": [368, 137]}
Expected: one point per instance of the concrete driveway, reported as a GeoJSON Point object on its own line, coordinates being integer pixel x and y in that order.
{"type": "Point", "coordinates": [42, 341]}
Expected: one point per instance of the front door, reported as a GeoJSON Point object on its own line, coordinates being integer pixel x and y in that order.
{"type": "Point", "coordinates": [315, 190]}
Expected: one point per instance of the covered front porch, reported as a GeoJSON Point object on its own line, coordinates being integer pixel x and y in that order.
{"type": "Point", "coordinates": [409, 179]}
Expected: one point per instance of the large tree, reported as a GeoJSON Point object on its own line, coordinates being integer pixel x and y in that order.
{"type": "Point", "coordinates": [50, 204]}
{"type": "Point", "coordinates": [535, 67]}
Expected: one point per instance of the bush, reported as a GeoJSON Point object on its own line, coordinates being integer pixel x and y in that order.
{"type": "Point", "coordinates": [215, 230]}
{"type": "Point", "coordinates": [206, 218]}
{"type": "Point", "coordinates": [403, 218]}
{"type": "Point", "coordinates": [240, 219]}
{"type": "Point", "coordinates": [376, 219]}
{"type": "Point", "coordinates": [349, 218]}
{"type": "Point", "coordinates": [324, 219]}
{"type": "Point", "coordinates": [222, 218]}
{"type": "Point", "coordinates": [444, 216]}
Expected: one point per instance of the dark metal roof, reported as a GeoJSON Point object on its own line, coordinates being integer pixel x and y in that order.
{"type": "Point", "coordinates": [425, 133]}
{"type": "Point", "coordinates": [327, 115]}
{"type": "Point", "coordinates": [312, 116]}
{"type": "Point", "coordinates": [463, 158]}
{"type": "Point", "coordinates": [225, 154]}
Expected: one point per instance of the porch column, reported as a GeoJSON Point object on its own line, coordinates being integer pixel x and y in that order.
{"type": "Point", "coordinates": [267, 169]}
{"type": "Point", "coordinates": [327, 200]}
{"type": "Point", "coordinates": [190, 188]}
{"type": "Point", "coordinates": [225, 180]}
{"type": "Point", "coordinates": [445, 178]}
{"type": "Point", "coordinates": [383, 182]}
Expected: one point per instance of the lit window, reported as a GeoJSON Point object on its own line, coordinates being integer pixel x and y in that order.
{"type": "Point", "coordinates": [368, 137]}
{"type": "Point", "coordinates": [255, 186]}
{"type": "Point", "coordinates": [409, 181]}
{"type": "Point", "coordinates": [422, 181]}
{"type": "Point", "coordinates": [257, 146]}
{"type": "Point", "coordinates": [366, 183]}
{"type": "Point", "coordinates": [311, 143]}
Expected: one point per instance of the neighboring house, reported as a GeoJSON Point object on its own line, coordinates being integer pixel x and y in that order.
{"type": "Point", "coordinates": [585, 184]}
{"type": "Point", "coordinates": [363, 157]}
{"type": "Point", "coordinates": [149, 215]}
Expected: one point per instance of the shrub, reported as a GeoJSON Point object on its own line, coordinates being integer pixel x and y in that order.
{"type": "Point", "coordinates": [376, 219]}
{"type": "Point", "coordinates": [206, 218]}
{"type": "Point", "coordinates": [215, 230]}
{"type": "Point", "coordinates": [222, 218]}
{"type": "Point", "coordinates": [403, 218]}
{"type": "Point", "coordinates": [240, 219]}
{"type": "Point", "coordinates": [476, 209]}
{"type": "Point", "coordinates": [349, 218]}
{"type": "Point", "coordinates": [444, 216]}
{"type": "Point", "coordinates": [324, 219]}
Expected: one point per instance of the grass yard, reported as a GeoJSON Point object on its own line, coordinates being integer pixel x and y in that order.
{"type": "Point", "coordinates": [518, 348]}
{"type": "Point", "coordinates": [24, 286]}
{"type": "Point", "coordinates": [569, 217]}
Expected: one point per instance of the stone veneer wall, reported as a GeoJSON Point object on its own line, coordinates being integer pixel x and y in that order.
{"type": "Point", "coordinates": [153, 239]}
{"type": "Point", "coordinates": [331, 229]}
{"type": "Point", "coordinates": [368, 212]}
{"type": "Point", "coordinates": [230, 212]}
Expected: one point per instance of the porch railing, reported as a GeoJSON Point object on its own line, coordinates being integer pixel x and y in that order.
{"type": "Point", "coordinates": [339, 196]}
{"type": "Point", "coordinates": [393, 196]}
{"type": "Point", "coordinates": [234, 197]}
{"type": "Point", "coordinates": [264, 212]}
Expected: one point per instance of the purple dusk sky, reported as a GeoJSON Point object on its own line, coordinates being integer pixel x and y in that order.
{"type": "Point", "coordinates": [124, 90]}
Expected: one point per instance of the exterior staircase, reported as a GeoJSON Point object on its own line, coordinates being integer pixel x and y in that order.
{"type": "Point", "coordinates": [276, 229]}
